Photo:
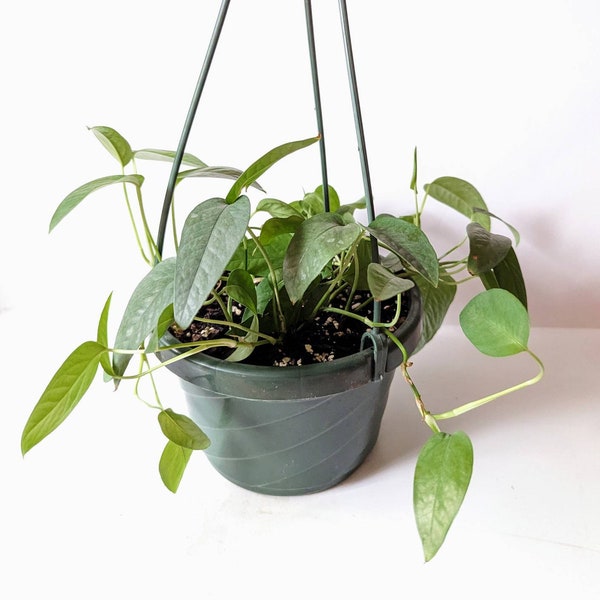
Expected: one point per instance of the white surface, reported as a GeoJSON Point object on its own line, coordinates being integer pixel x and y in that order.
{"type": "Point", "coordinates": [85, 515]}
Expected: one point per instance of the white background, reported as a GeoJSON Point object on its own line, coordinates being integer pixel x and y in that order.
{"type": "Point", "coordinates": [502, 94]}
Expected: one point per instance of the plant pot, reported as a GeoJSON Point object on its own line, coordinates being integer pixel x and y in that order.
{"type": "Point", "coordinates": [293, 430]}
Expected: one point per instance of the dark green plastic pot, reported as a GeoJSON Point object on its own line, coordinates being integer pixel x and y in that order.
{"type": "Point", "coordinates": [294, 430]}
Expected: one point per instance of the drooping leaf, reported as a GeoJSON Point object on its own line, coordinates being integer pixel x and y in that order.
{"type": "Point", "coordinates": [407, 241]}
{"type": "Point", "coordinates": [316, 241]}
{"type": "Point", "coordinates": [115, 143]}
{"type": "Point", "coordinates": [461, 196]}
{"type": "Point", "coordinates": [182, 430]}
{"type": "Point", "coordinates": [508, 276]}
{"type": "Point", "coordinates": [257, 168]}
{"type": "Point", "coordinates": [435, 303]}
{"type": "Point", "coordinates": [82, 192]}
{"type": "Point", "coordinates": [216, 172]}
{"type": "Point", "coordinates": [384, 284]}
{"type": "Point", "coordinates": [172, 464]}
{"type": "Point", "coordinates": [62, 394]}
{"type": "Point", "coordinates": [240, 287]}
{"type": "Point", "coordinates": [168, 156]}
{"type": "Point", "coordinates": [102, 337]}
{"type": "Point", "coordinates": [442, 477]}
{"type": "Point", "coordinates": [486, 249]}
{"type": "Point", "coordinates": [512, 229]}
{"type": "Point", "coordinates": [496, 323]}
{"type": "Point", "coordinates": [211, 234]}
{"type": "Point", "coordinates": [147, 302]}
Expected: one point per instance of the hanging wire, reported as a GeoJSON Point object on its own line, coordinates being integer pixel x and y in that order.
{"type": "Point", "coordinates": [188, 125]}
{"type": "Point", "coordinates": [360, 135]}
{"type": "Point", "coordinates": [317, 94]}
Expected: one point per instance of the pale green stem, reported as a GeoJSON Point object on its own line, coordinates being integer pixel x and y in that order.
{"type": "Point", "coordinates": [135, 229]}
{"type": "Point", "coordinates": [477, 403]}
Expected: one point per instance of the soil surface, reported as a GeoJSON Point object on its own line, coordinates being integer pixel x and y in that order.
{"type": "Point", "coordinates": [327, 337]}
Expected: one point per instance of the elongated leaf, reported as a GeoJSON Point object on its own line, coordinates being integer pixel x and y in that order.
{"type": "Point", "coordinates": [217, 172]}
{"type": "Point", "coordinates": [62, 394]}
{"type": "Point", "coordinates": [102, 337]}
{"type": "Point", "coordinates": [435, 302]}
{"type": "Point", "coordinates": [165, 320]}
{"type": "Point", "coordinates": [486, 249]}
{"type": "Point", "coordinates": [211, 234]}
{"type": "Point", "coordinates": [257, 168]}
{"type": "Point", "coordinates": [181, 430]}
{"type": "Point", "coordinates": [168, 156]}
{"type": "Point", "coordinates": [413, 180]}
{"type": "Point", "coordinates": [82, 192]}
{"type": "Point", "coordinates": [172, 464]}
{"type": "Point", "coordinates": [243, 351]}
{"type": "Point", "coordinates": [115, 143]}
{"type": "Point", "coordinates": [147, 302]}
{"type": "Point", "coordinates": [384, 284]}
{"type": "Point", "coordinates": [461, 196]}
{"type": "Point", "coordinates": [316, 241]}
{"type": "Point", "coordinates": [496, 323]}
{"type": "Point", "coordinates": [509, 276]}
{"type": "Point", "coordinates": [442, 477]}
{"type": "Point", "coordinates": [240, 287]}
{"type": "Point", "coordinates": [407, 241]}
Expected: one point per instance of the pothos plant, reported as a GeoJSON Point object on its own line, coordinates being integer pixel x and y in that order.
{"type": "Point", "coordinates": [271, 268]}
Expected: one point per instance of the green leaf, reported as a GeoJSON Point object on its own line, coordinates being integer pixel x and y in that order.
{"type": "Point", "coordinates": [257, 168]}
{"type": "Point", "coordinates": [461, 196]}
{"type": "Point", "coordinates": [509, 276]}
{"type": "Point", "coordinates": [165, 320]}
{"type": "Point", "coordinates": [147, 302]}
{"type": "Point", "coordinates": [384, 284]}
{"type": "Point", "coordinates": [486, 249]}
{"type": "Point", "coordinates": [62, 394]}
{"type": "Point", "coordinates": [115, 143]}
{"type": "Point", "coordinates": [211, 234]}
{"type": "Point", "coordinates": [496, 323]}
{"type": "Point", "coordinates": [76, 196]}
{"type": "Point", "coordinates": [277, 226]}
{"type": "Point", "coordinates": [442, 477]}
{"type": "Point", "coordinates": [168, 156]}
{"type": "Point", "coordinates": [316, 241]}
{"type": "Point", "coordinates": [407, 241]}
{"type": "Point", "coordinates": [277, 208]}
{"type": "Point", "coordinates": [240, 287]}
{"type": "Point", "coordinates": [514, 231]}
{"type": "Point", "coordinates": [413, 181]}
{"type": "Point", "coordinates": [243, 351]}
{"type": "Point", "coordinates": [435, 302]}
{"type": "Point", "coordinates": [181, 430]}
{"type": "Point", "coordinates": [216, 172]}
{"type": "Point", "coordinates": [102, 337]}
{"type": "Point", "coordinates": [313, 203]}
{"type": "Point", "coordinates": [172, 464]}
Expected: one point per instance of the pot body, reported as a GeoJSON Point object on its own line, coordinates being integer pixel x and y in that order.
{"type": "Point", "coordinates": [293, 430]}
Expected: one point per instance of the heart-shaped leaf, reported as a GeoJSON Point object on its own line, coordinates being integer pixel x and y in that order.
{"type": "Point", "coordinates": [486, 249]}
{"type": "Point", "coordinates": [442, 477]}
{"type": "Point", "coordinates": [384, 284]}
{"type": "Point", "coordinates": [461, 196]}
{"type": "Point", "coordinates": [407, 241]}
{"type": "Point", "coordinates": [496, 323]}
{"type": "Point", "coordinates": [316, 241]}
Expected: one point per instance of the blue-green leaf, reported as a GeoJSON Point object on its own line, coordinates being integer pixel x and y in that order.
{"type": "Point", "coordinates": [216, 172]}
{"type": "Point", "coordinates": [168, 156]}
{"type": "Point", "coordinates": [149, 299]}
{"type": "Point", "coordinates": [62, 394]}
{"type": "Point", "coordinates": [442, 477]}
{"type": "Point", "coordinates": [76, 196]}
{"type": "Point", "coordinates": [211, 234]}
